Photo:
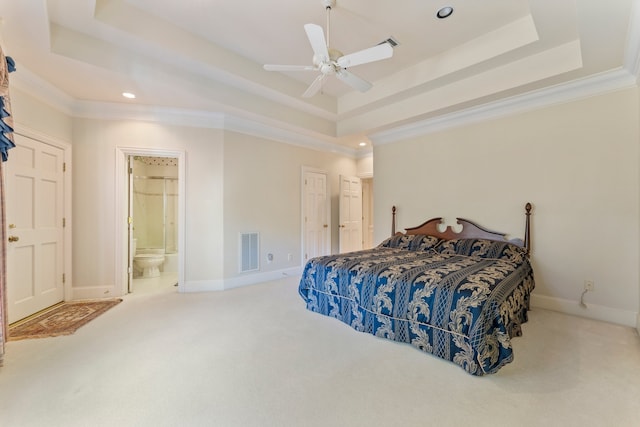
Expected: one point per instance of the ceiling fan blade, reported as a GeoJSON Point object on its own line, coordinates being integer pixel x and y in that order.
{"type": "Point", "coordinates": [318, 42]}
{"type": "Point", "coordinates": [315, 86]}
{"type": "Point", "coordinates": [376, 53]}
{"type": "Point", "coordinates": [273, 67]}
{"type": "Point", "coordinates": [354, 81]}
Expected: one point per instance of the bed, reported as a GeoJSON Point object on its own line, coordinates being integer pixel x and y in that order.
{"type": "Point", "coordinates": [460, 296]}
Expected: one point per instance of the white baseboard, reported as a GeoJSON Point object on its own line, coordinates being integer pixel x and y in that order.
{"type": "Point", "coordinates": [92, 292]}
{"type": "Point", "coordinates": [98, 292]}
{"type": "Point", "coordinates": [239, 281]}
{"type": "Point", "coordinates": [592, 311]}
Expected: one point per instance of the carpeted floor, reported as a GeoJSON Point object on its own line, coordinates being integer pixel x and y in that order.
{"type": "Point", "coordinates": [256, 357]}
{"type": "Point", "coordinates": [63, 319]}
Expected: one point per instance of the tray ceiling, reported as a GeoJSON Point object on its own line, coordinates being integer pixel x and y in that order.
{"type": "Point", "coordinates": [203, 59]}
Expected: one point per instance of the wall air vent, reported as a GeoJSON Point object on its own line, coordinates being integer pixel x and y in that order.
{"type": "Point", "coordinates": [249, 250]}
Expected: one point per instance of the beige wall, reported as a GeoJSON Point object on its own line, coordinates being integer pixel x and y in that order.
{"type": "Point", "coordinates": [234, 183]}
{"type": "Point", "coordinates": [262, 193]}
{"type": "Point", "coordinates": [95, 145]}
{"type": "Point", "coordinates": [34, 114]}
{"type": "Point", "coordinates": [577, 163]}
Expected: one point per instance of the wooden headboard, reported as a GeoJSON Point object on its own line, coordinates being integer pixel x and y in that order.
{"type": "Point", "coordinates": [470, 230]}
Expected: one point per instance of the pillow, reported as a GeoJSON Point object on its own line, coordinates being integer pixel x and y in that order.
{"type": "Point", "coordinates": [483, 248]}
{"type": "Point", "coordinates": [411, 242]}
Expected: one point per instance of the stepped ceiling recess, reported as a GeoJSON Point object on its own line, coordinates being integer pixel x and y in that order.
{"type": "Point", "coordinates": [201, 61]}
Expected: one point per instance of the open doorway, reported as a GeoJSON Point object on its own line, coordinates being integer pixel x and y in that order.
{"type": "Point", "coordinates": [151, 186]}
{"type": "Point", "coordinates": [153, 224]}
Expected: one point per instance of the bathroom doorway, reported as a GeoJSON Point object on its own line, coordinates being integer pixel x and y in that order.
{"type": "Point", "coordinates": [153, 223]}
{"type": "Point", "coordinates": [154, 180]}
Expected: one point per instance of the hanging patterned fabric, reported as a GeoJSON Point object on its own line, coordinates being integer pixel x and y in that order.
{"type": "Point", "coordinates": [3, 268]}
{"type": "Point", "coordinates": [6, 142]}
{"type": "Point", "coordinates": [7, 65]}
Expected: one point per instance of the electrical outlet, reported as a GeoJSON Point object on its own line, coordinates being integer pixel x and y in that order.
{"type": "Point", "coordinates": [269, 257]}
{"type": "Point", "coordinates": [589, 285]}
{"type": "Point", "coordinates": [289, 257]}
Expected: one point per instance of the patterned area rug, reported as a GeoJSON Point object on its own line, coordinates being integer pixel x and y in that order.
{"type": "Point", "coordinates": [63, 319]}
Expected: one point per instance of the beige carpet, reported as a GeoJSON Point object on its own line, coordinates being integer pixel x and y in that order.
{"type": "Point", "coordinates": [63, 319]}
{"type": "Point", "coordinates": [256, 357]}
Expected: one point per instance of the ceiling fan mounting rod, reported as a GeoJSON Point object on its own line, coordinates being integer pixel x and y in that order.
{"type": "Point", "coordinates": [328, 5]}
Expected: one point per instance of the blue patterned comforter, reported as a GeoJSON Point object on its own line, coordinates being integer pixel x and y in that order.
{"type": "Point", "coordinates": [461, 301]}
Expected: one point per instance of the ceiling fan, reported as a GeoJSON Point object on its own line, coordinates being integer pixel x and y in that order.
{"type": "Point", "coordinates": [330, 61]}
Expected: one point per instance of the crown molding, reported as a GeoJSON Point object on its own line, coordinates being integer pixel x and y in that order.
{"type": "Point", "coordinates": [281, 134]}
{"type": "Point", "coordinates": [147, 113]}
{"type": "Point", "coordinates": [37, 87]}
{"type": "Point", "coordinates": [622, 78]}
{"type": "Point", "coordinates": [207, 120]}
{"type": "Point", "coordinates": [627, 76]}
{"type": "Point", "coordinates": [559, 94]}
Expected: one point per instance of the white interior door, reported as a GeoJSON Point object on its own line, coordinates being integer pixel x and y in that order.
{"type": "Point", "coordinates": [367, 213]}
{"type": "Point", "coordinates": [130, 246]}
{"type": "Point", "coordinates": [316, 231]}
{"type": "Point", "coordinates": [34, 212]}
{"type": "Point", "coordinates": [350, 214]}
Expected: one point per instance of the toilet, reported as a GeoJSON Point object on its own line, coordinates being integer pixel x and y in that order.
{"type": "Point", "coordinates": [148, 263]}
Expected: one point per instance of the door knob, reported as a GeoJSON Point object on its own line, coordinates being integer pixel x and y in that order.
{"type": "Point", "coordinates": [13, 238]}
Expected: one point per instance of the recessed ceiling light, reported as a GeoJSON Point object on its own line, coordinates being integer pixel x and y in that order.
{"type": "Point", "coordinates": [128, 95]}
{"type": "Point", "coordinates": [362, 144]}
{"type": "Point", "coordinates": [444, 12]}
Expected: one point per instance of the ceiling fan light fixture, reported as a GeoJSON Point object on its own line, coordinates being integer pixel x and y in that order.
{"type": "Point", "coordinates": [444, 12]}
{"type": "Point", "coordinates": [327, 69]}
